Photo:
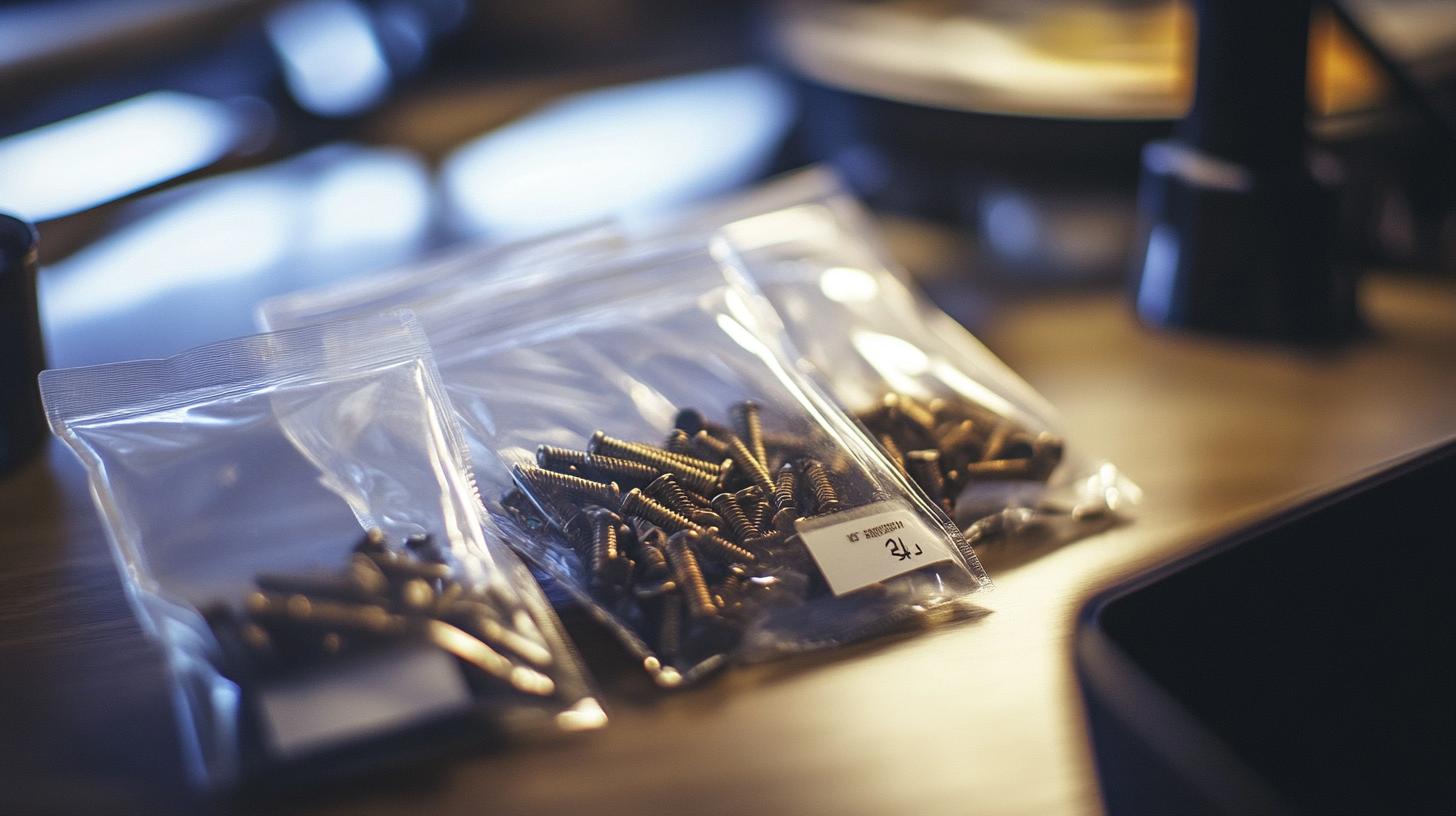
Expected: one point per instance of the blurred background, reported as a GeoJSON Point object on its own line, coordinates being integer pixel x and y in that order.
{"type": "Point", "coordinates": [184, 159]}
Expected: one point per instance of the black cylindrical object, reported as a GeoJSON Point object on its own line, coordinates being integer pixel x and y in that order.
{"type": "Point", "coordinates": [22, 353]}
{"type": "Point", "coordinates": [1238, 236]}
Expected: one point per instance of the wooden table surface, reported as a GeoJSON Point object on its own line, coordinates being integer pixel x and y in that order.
{"type": "Point", "coordinates": [979, 715]}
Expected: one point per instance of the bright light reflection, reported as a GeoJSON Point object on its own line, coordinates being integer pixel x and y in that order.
{"type": "Point", "coordinates": [624, 150]}
{"type": "Point", "coordinates": [99, 156]}
{"type": "Point", "coordinates": [897, 361]}
{"type": "Point", "coordinates": [1160, 273]}
{"type": "Point", "coordinates": [844, 284]}
{"type": "Point", "coordinates": [331, 59]}
{"type": "Point", "coordinates": [223, 233]}
{"type": "Point", "coordinates": [806, 223]}
{"type": "Point", "coordinates": [891, 354]}
{"type": "Point", "coordinates": [969, 388]}
{"type": "Point", "coordinates": [379, 197]}
{"type": "Point", "coordinates": [335, 207]}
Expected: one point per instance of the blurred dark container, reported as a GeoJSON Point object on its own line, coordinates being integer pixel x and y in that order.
{"type": "Point", "coordinates": [1253, 254]}
{"type": "Point", "coordinates": [22, 351]}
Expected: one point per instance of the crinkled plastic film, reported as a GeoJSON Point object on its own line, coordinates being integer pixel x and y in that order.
{"type": "Point", "coordinates": [625, 356]}
{"type": "Point", "coordinates": [871, 336]}
{"type": "Point", "coordinates": [438, 278]}
{"type": "Point", "coordinates": [922, 384]}
{"type": "Point", "coordinates": [236, 482]}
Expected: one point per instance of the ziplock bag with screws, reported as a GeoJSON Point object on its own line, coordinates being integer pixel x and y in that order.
{"type": "Point", "coordinates": [295, 523]}
{"type": "Point", "coordinates": [645, 436]}
{"type": "Point", "coordinates": [975, 437]}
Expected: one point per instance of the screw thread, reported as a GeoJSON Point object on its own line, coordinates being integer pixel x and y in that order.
{"type": "Point", "coordinates": [732, 512]}
{"type": "Point", "coordinates": [689, 574]}
{"type": "Point", "coordinates": [604, 538]}
{"type": "Point", "coordinates": [693, 473]}
{"type": "Point", "coordinates": [714, 546]}
{"type": "Point", "coordinates": [754, 468]}
{"type": "Point", "coordinates": [670, 639]}
{"type": "Point", "coordinates": [666, 489]}
{"type": "Point", "coordinates": [897, 458]}
{"type": "Point", "coordinates": [924, 468]}
{"type": "Point", "coordinates": [637, 504]}
{"type": "Point", "coordinates": [606, 495]}
{"type": "Point", "coordinates": [825, 499]}
{"type": "Point", "coordinates": [750, 429]}
{"type": "Point", "coordinates": [678, 441]}
{"type": "Point", "coordinates": [785, 490]}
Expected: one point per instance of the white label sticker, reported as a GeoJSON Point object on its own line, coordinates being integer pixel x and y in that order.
{"type": "Point", "coordinates": [869, 544]}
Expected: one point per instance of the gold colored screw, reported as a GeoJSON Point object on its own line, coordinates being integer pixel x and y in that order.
{"type": "Point", "coordinates": [750, 429]}
{"type": "Point", "coordinates": [693, 473]}
{"type": "Point", "coordinates": [689, 574]}
{"type": "Point", "coordinates": [825, 499]}
{"type": "Point", "coordinates": [606, 495]}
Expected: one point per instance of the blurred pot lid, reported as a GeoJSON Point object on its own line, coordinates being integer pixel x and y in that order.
{"type": "Point", "coordinates": [1076, 59]}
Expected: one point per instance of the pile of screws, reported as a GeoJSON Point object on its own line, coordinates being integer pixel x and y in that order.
{"type": "Point", "coordinates": [685, 540]}
{"type": "Point", "coordinates": [946, 444]}
{"type": "Point", "coordinates": [383, 597]}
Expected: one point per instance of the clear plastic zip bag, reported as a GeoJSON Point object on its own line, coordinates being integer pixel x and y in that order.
{"type": "Point", "coordinates": [649, 445]}
{"type": "Point", "coordinates": [439, 277]}
{"type": "Point", "coordinates": [296, 525]}
{"type": "Point", "coordinates": [975, 436]}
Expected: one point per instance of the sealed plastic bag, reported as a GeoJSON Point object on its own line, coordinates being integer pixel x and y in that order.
{"type": "Point", "coordinates": [970, 432]}
{"type": "Point", "coordinates": [652, 448]}
{"type": "Point", "coordinates": [966, 428]}
{"type": "Point", "coordinates": [436, 279]}
{"type": "Point", "coordinates": [296, 524]}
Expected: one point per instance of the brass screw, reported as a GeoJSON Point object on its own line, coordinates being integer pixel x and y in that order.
{"type": "Point", "coordinates": [1046, 454]}
{"type": "Point", "coordinates": [896, 457]}
{"type": "Point", "coordinates": [916, 414]}
{"type": "Point", "coordinates": [996, 443]}
{"type": "Point", "coordinates": [712, 446]}
{"type": "Point", "coordinates": [727, 506]}
{"type": "Point", "coordinates": [722, 550]}
{"type": "Point", "coordinates": [604, 445]}
{"type": "Point", "coordinates": [753, 468]}
{"type": "Point", "coordinates": [652, 558]}
{"type": "Point", "coordinates": [604, 468]}
{"type": "Point", "coordinates": [689, 574]}
{"type": "Point", "coordinates": [373, 541]}
{"type": "Point", "coordinates": [825, 499]}
{"type": "Point", "coordinates": [758, 508]}
{"type": "Point", "coordinates": [635, 503]}
{"type": "Point", "coordinates": [670, 640]}
{"type": "Point", "coordinates": [666, 489]}
{"type": "Point", "coordinates": [692, 473]}
{"type": "Point", "coordinates": [651, 546]}
{"type": "Point", "coordinates": [606, 495]}
{"type": "Point", "coordinates": [750, 429]}
{"type": "Point", "coordinates": [784, 499]}
{"type": "Point", "coordinates": [678, 441]}
{"type": "Point", "coordinates": [604, 542]}
{"type": "Point", "coordinates": [924, 467]}
{"type": "Point", "coordinates": [608, 565]}
{"type": "Point", "coordinates": [999, 469]}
